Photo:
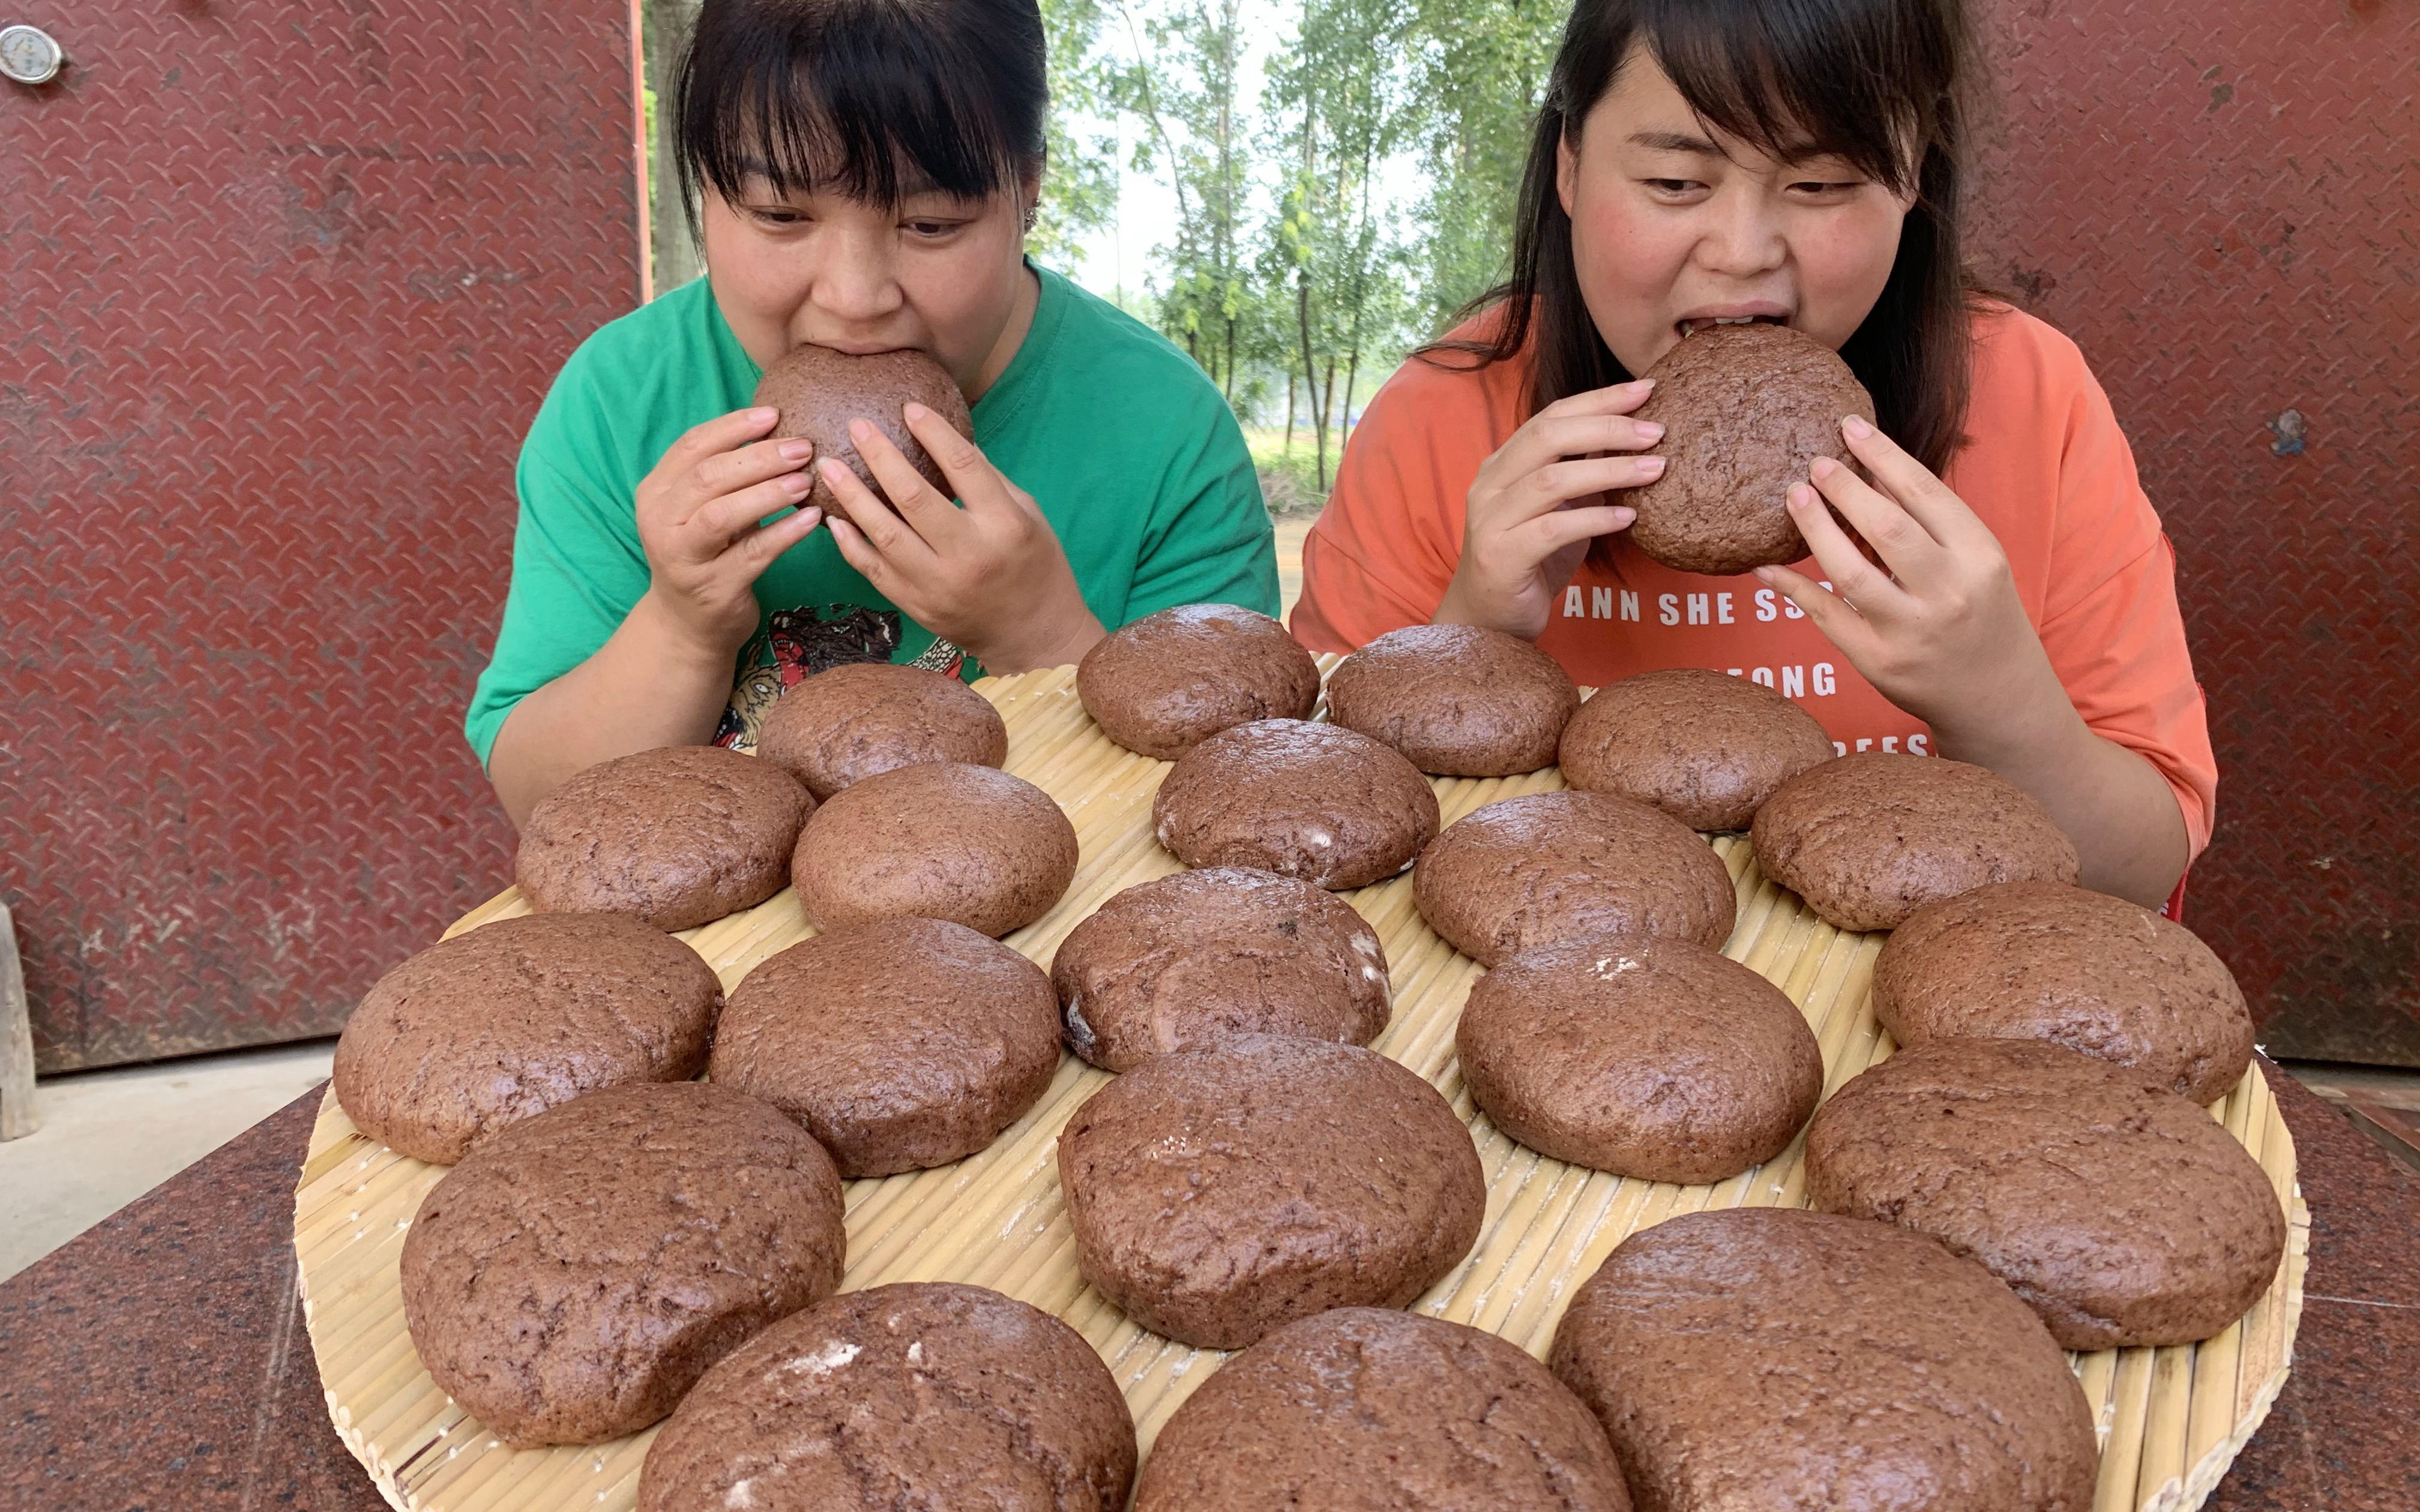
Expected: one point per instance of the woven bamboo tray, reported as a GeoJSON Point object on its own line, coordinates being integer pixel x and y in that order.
{"type": "Point", "coordinates": [2170, 1420]}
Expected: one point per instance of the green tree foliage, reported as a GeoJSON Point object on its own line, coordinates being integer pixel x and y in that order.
{"type": "Point", "coordinates": [1185, 86]}
{"type": "Point", "coordinates": [1341, 102]}
{"type": "Point", "coordinates": [1079, 186]}
{"type": "Point", "coordinates": [1482, 73]}
{"type": "Point", "coordinates": [1292, 263]}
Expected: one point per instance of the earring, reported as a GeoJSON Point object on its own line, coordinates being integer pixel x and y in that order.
{"type": "Point", "coordinates": [1033, 213]}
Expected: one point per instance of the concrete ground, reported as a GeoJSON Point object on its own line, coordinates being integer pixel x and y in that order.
{"type": "Point", "coordinates": [108, 1137]}
{"type": "Point", "coordinates": [1290, 535]}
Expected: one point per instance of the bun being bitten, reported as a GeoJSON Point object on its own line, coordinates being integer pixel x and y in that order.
{"type": "Point", "coordinates": [819, 390]}
{"type": "Point", "coordinates": [1746, 410]}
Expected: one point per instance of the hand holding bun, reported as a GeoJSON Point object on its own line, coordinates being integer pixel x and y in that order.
{"type": "Point", "coordinates": [894, 445]}
{"type": "Point", "coordinates": [1919, 594]}
{"type": "Point", "coordinates": [698, 512]}
{"type": "Point", "coordinates": [1540, 499]}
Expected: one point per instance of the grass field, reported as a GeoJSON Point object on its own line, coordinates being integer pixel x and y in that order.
{"type": "Point", "coordinates": [1289, 476]}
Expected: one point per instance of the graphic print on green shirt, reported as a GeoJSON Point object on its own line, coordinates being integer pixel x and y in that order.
{"type": "Point", "coordinates": [1124, 444]}
{"type": "Point", "coordinates": [797, 644]}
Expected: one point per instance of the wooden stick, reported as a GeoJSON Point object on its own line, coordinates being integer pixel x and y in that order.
{"type": "Point", "coordinates": [18, 1118]}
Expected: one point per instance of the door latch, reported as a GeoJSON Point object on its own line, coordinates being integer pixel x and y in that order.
{"type": "Point", "coordinates": [29, 55]}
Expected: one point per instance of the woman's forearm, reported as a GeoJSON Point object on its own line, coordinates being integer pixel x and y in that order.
{"type": "Point", "coordinates": [649, 685]}
{"type": "Point", "coordinates": [2115, 805]}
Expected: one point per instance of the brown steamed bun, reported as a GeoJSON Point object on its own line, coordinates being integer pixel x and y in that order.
{"type": "Point", "coordinates": [1527, 871]}
{"type": "Point", "coordinates": [940, 840]}
{"type": "Point", "coordinates": [1704, 746]}
{"type": "Point", "coordinates": [1367, 1409]}
{"type": "Point", "coordinates": [570, 1279]}
{"type": "Point", "coordinates": [1657, 1059]}
{"type": "Point", "coordinates": [1170, 680]}
{"type": "Point", "coordinates": [2096, 974]}
{"type": "Point", "coordinates": [1456, 700]}
{"type": "Point", "coordinates": [1217, 1194]}
{"type": "Point", "coordinates": [1787, 1361]}
{"type": "Point", "coordinates": [2120, 1213]}
{"type": "Point", "coordinates": [901, 1044]}
{"type": "Point", "coordinates": [1201, 956]}
{"type": "Point", "coordinates": [675, 837]}
{"type": "Point", "coordinates": [1868, 838]}
{"type": "Point", "coordinates": [819, 390]}
{"type": "Point", "coordinates": [1746, 409]}
{"type": "Point", "coordinates": [864, 718]}
{"type": "Point", "coordinates": [920, 1395]}
{"type": "Point", "coordinates": [1303, 799]}
{"type": "Point", "coordinates": [518, 1017]}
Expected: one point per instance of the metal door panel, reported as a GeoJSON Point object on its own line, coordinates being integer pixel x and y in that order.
{"type": "Point", "coordinates": [2217, 199]}
{"type": "Point", "coordinates": [285, 283]}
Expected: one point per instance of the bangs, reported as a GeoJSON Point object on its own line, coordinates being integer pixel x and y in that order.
{"type": "Point", "coordinates": [873, 99]}
{"type": "Point", "coordinates": [1799, 79]}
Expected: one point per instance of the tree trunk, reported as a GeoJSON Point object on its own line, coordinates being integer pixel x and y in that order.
{"type": "Point", "coordinates": [1145, 60]}
{"type": "Point", "coordinates": [1309, 368]}
{"type": "Point", "coordinates": [1362, 239]}
{"type": "Point", "coordinates": [666, 27]}
{"type": "Point", "coordinates": [1302, 273]}
{"type": "Point", "coordinates": [1327, 407]}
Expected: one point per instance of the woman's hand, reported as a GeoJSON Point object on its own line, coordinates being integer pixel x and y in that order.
{"type": "Point", "coordinates": [988, 573]}
{"type": "Point", "coordinates": [1941, 632]}
{"type": "Point", "coordinates": [1536, 505]}
{"type": "Point", "coordinates": [699, 522]}
{"type": "Point", "coordinates": [664, 676]}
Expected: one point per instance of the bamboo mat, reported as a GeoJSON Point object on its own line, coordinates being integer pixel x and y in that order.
{"type": "Point", "coordinates": [2170, 1420]}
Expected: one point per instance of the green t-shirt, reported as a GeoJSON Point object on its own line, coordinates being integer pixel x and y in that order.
{"type": "Point", "coordinates": [1125, 443]}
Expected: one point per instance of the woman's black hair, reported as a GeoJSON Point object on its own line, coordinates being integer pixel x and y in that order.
{"type": "Point", "coordinates": [875, 100]}
{"type": "Point", "coordinates": [1884, 83]}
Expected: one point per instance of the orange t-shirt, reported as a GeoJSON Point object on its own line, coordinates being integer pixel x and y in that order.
{"type": "Point", "coordinates": [2046, 468]}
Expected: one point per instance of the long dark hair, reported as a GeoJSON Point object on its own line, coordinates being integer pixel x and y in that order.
{"type": "Point", "coordinates": [843, 95]}
{"type": "Point", "coordinates": [1865, 80]}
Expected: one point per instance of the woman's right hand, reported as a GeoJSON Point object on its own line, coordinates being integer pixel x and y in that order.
{"type": "Point", "coordinates": [698, 523]}
{"type": "Point", "coordinates": [1535, 506]}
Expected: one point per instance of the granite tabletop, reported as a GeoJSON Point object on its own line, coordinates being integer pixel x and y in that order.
{"type": "Point", "coordinates": [159, 1361]}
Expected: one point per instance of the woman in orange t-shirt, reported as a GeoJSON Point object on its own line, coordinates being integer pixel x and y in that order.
{"type": "Point", "coordinates": [1695, 162]}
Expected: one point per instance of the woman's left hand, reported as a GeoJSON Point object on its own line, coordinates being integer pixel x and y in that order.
{"type": "Point", "coordinates": [1941, 632]}
{"type": "Point", "coordinates": [988, 572]}
{"type": "Point", "coordinates": [1942, 635]}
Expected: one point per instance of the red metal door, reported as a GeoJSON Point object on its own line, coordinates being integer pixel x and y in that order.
{"type": "Point", "coordinates": [2215, 198]}
{"type": "Point", "coordinates": [285, 280]}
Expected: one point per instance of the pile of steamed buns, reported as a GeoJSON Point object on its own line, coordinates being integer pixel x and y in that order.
{"type": "Point", "coordinates": [618, 1243]}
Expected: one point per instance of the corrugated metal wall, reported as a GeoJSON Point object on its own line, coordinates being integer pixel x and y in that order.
{"type": "Point", "coordinates": [2216, 199]}
{"type": "Point", "coordinates": [285, 283]}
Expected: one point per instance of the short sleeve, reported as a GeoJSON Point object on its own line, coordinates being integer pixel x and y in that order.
{"type": "Point", "coordinates": [1209, 540]}
{"type": "Point", "coordinates": [1382, 553]}
{"type": "Point", "coordinates": [2110, 621]}
{"type": "Point", "coordinates": [578, 566]}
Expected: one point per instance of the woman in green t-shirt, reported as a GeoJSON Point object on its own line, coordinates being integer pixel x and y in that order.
{"type": "Point", "coordinates": [862, 174]}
